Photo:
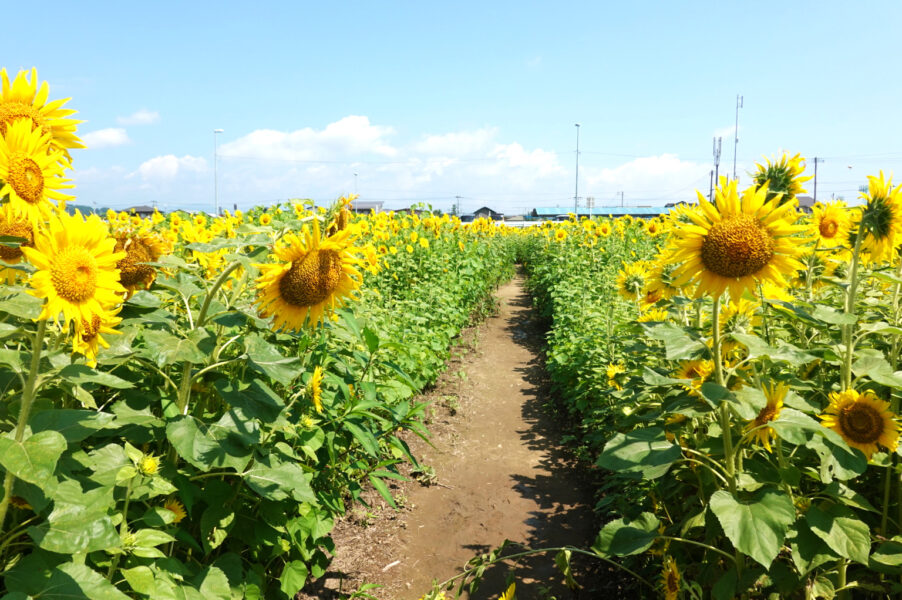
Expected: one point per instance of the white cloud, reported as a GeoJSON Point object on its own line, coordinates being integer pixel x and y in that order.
{"type": "Point", "coordinates": [140, 117]}
{"type": "Point", "coordinates": [347, 138]}
{"type": "Point", "coordinates": [458, 143]}
{"type": "Point", "coordinates": [647, 180]}
{"type": "Point", "coordinates": [105, 138]}
{"type": "Point", "coordinates": [169, 166]}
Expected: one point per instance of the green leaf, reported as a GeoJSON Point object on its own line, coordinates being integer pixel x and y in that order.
{"type": "Point", "coordinates": [362, 435]}
{"type": "Point", "coordinates": [70, 581]}
{"type": "Point", "coordinates": [784, 352]}
{"type": "Point", "coordinates": [280, 482]}
{"type": "Point", "coordinates": [371, 338]}
{"type": "Point", "coordinates": [837, 458]}
{"type": "Point", "coordinates": [887, 558]}
{"type": "Point", "coordinates": [562, 561]}
{"type": "Point", "coordinates": [293, 578]}
{"type": "Point", "coordinates": [833, 316]}
{"type": "Point", "coordinates": [140, 579]}
{"type": "Point", "coordinates": [226, 443]}
{"type": "Point", "coordinates": [756, 526]}
{"type": "Point", "coordinates": [75, 425]}
{"type": "Point", "coordinates": [78, 523]}
{"type": "Point", "coordinates": [255, 399]}
{"type": "Point", "coordinates": [871, 363]}
{"type": "Point", "coordinates": [808, 550]}
{"type": "Point", "coordinates": [21, 304]}
{"type": "Point", "coordinates": [625, 537]}
{"type": "Point", "coordinates": [677, 343]}
{"type": "Point", "coordinates": [841, 529]}
{"type": "Point", "coordinates": [792, 424]}
{"type": "Point", "coordinates": [82, 374]}
{"type": "Point", "coordinates": [215, 525]}
{"type": "Point", "coordinates": [383, 490]}
{"type": "Point", "coordinates": [34, 459]}
{"type": "Point", "coordinates": [212, 583]}
{"type": "Point", "coordinates": [265, 359]}
{"type": "Point", "coordinates": [163, 348]}
{"type": "Point", "coordinates": [149, 538]}
{"type": "Point", "coordinates": [646, 451]}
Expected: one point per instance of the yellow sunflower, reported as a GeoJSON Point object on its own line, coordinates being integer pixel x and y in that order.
{"type": "Point", "coordinates": [509, 592]}
{"type": "Point", "coordinates": [783, 176]}
{"type": "Point", "coordinates": [863, 420]}
{"type": "Point", "coordinates": [774, 394]}
{"type": "Point", "coordinates": [560, 235]}
{"type": "Point", "coordinates": [176, 508]}
{"type": "Point", "coordinates": [314, 275]}
{"type": "Point", "coordinates": [604, 229]}
{"type": "Point", "coordinates": [88, 339]}
{"type": "Point", "coordinates": [613, 370]}
{"type": "Point", "coordinates": [22, 99]}
{"type": "Point", "coordinates": [739, 317]}
{"type": "Point", "coordinates": [670, 579]}
{"type": "Point", "coordinates": [882, 218]}
{"type": "Point", "coordinates": [632, 280]}
{"type": "Point", "coordinates": [698, 371]}
{"type": "Point", "coordinates": [76, 268]}
{"type": "Point", "coordinates": [315, 389]}
{"type": "Point", "coordinates": [830, 223]}
{"type": "Point", "coordinates": [31, 175]}
{"type": "Point", "coordinates": [134, 273]}
{"type": "Point", "coordinates": [17, 227]}
{"type": "Point", "coordinates": [653, 315]}
{"type": "Point", "coordinates": [736, 242]}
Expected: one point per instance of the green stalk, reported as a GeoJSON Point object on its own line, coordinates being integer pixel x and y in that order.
{"type": "Point", "coordinates": [850, 309]}
{"type": "Point", "coordinates": [724, 407]}
{"type": "Point", "coordinates": [114, 563]}
{"type": "Point", "coordinates": [28, 396]}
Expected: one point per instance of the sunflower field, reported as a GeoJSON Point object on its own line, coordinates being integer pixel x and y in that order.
{"type": "Point", "coordinates": [734, 368]}
{"type": "Point", "coordinates": [188, 401]}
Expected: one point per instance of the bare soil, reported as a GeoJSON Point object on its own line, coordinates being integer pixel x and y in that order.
{"type": "Point", "coordinates": [500, 473]}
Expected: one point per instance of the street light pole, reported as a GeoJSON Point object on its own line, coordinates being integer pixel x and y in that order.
{"type": "Point", "coordinates": [216, 133]}
{"type": "Point", "coordinates": [736, 134]}
{"type": "Point", "coordinates": [576, 185]}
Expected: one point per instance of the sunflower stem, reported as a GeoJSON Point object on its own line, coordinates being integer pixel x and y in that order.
{"type": "Point", "coordinates": [28, 396]}
{"type": "Point", "coordinates": [726, 430]}
{"type": "Point", "coordinates": [850, 310]}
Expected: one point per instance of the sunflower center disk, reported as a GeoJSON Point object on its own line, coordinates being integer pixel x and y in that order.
{"type": "Point", "coordinates": [19, 230]}
{"type": "Point", "coordinates": [861, 423]}
{"type": "Point", "coordinates": [74, 274]}
{"type": "Point", "coordinates": [90, 330]}
{"type": "Point", "coordinates": [132, 271]}
{"type": "Point", "coordinates": [312, 279]}
{"type": "Point", "coordinates": [26, 178]}
{"type": "Point", "coordinates": [828, 228]}
{"type": "Point", "coordinates": [736, 247]}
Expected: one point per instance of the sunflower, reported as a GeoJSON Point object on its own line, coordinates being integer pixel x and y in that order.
{"type": "Point", "coordinates": [76, 268]}
{"type": "Point", "coordinates": [31, 175]}
{"type": "Point", "coordinates": [774, 394]}
{"type": "Point", "coordinates": [653, 315]}
{"type": "Point", "coordinates": [613, 370]}
{"type": "Point", "coordinates": [315, 389]}
{"type": "Point", "coordinates": [148, 465]}
{"type": "Point", "coordinates": [23, 100]}
{"type": "Point", "coordinates": [773, 291]}
{"type": "Point", "coordinates": [88, 339]}
{"type": "Point", "coordinates": [739, 317]}
{"type": "Point", "coordinates": [176, 508]}
{"type": "Point", "coordinates": [265, 219]}
{"type": "Point", "coordinates": [863, 420]}
{"type": "Point", "coordinates": [604, 229]}
{"type": "Point", "coordinates": [736, 242]}
{"type": "Point", "coordinates": [881, 218]}
{"type": "Point", "coordinates": [670, 579]}
{"type": "Point", "coordinates": [560, 235]}
{"type": "Point", "coordinates": [17, 227]}
{"type": "Point", "coordinates": [698, 371]}
{"type": "Point", "coordinates": [654, 228]}
{"type": "Point", "coordinates": [830, 223]}
{"type": "Point", "coordinates": [632, 280]}
{"type": "Point", "coordinates": [315, 275]}
{"type": "Point", "coordinates": [134, 273]}
{"type": "Point", "coordinates": [509, 593]}
{"type": "Point", "coordinates": [782, 177]}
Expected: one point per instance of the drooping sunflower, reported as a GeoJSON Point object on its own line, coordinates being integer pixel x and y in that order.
{"type": "Point", "coordinates": [176, 508]}
{"type": "Point", "coordinates": [139, 249]}
{"type": "Point", "coordinates": [881, 218]}
{"type": "Point", "coordinates": [76, 268]}
{"type": "Point", "coordinates": [830, 223]}
{"type": "Point", "coordinates": [23, 99]}
{"type": "Point", "coordinates": [670, 579]}
{"type": "Point", "coordinates": [31, 175]}
{"type": "Point", "coordinates": [632, 281]}
{"type": "Point", "coordinates": [613, 371]}
{"type": "Point", "coordinates": [653, 315]}
{"type": "Point", "coordinates": [774, 394]}
{"type": "Point", "coordinates": [698, 371]}
{"type": "Point", "coordinates": [782, 177]}
{"type": "Point", "coordinates": [863, 420]}
{"type": "Point", "coordinates": [736, 242]}
{"type": "Point", "coordinates": [88, 337]}
{"type": "Point", "coordinates": [16, 227]}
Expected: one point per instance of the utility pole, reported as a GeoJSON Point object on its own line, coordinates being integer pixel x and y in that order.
{"type": "Point", "coordinates": [216, 132]}
{"type": "Point", "coordinates": [736, 134]}
{"type": "Point", "coordinates": [816, 160]}
{"type": "Point", "coordinates": [621, 199]}
{"type": "Point", "coordinates": [717, 143]}
{"type": "Point", "coordinates": [576, 185]}
{"type": "Point", "coordinates": [711, 188]}
{"type": "Point", "coordinates": [457, 205]}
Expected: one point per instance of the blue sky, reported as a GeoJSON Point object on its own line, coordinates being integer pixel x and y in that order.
{"type": "Point", "coordinates": [427, 101]}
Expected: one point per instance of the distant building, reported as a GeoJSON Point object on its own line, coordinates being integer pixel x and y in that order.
{"type": "Point", "coordinates": [487, 213]}
{"type": "Point", "coordinates": [142, 210]}
{"type": "Point", "coordinates": [365, 207]}
{"type": "Point", "coordinates": [806, 203]}
{"type": "Point", "coordinates": [559, 212]}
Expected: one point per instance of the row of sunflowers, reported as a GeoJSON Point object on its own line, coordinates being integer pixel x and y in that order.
{"type": "Point", "coordinates": [189, 402]}
{"type": "Point", "coordinates": [735, 368]}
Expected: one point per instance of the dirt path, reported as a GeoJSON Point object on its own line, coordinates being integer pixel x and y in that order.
{"type": "Point", "coordinates": [500, 473]}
